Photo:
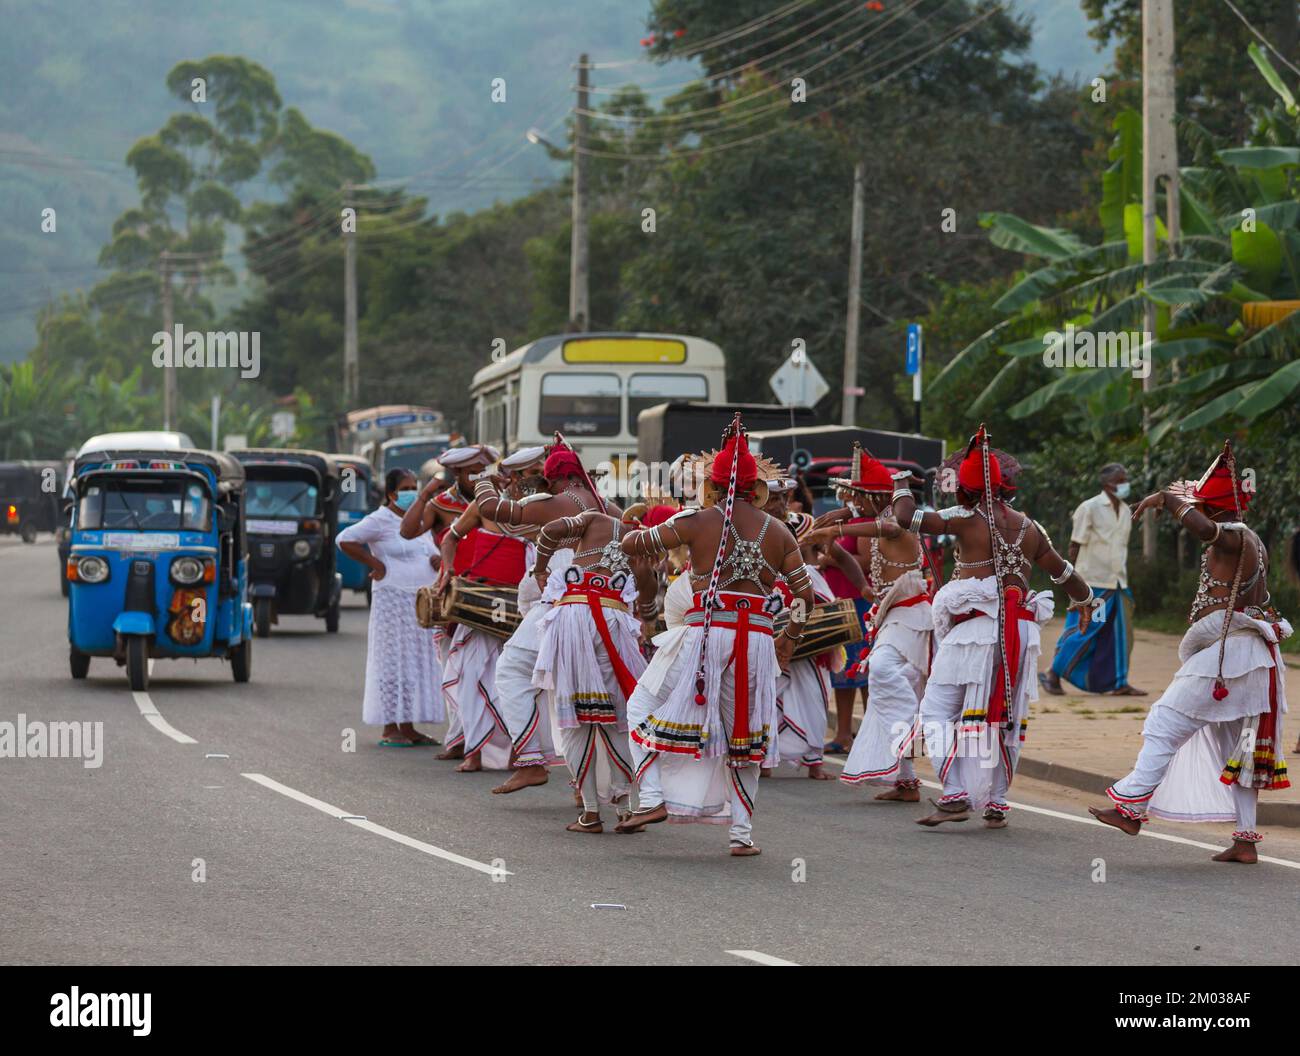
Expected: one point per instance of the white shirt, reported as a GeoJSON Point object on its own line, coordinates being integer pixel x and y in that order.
{"type": "Point", "coordinates": [406, 561]}
{"type": "Point", "coordinates": [1102, 534]}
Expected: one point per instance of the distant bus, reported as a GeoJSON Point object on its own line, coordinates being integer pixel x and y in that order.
{"type": "Point", "coordinates": [591, 387]}
{"type": "Point", "coordinates": [410, 452]}
{"type": "Point", "coordinates": [363, 432]}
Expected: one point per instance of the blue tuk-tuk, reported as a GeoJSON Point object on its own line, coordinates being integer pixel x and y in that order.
{"type": "Point", "coordinates": [158, 563]}
{"type": "Point", "coordinates": [292, 502]}
{"type": "Point", "coordinates": [358, 496]}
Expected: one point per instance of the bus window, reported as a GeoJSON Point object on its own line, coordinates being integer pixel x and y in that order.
{"type": "Point", "coordinates": [581, 404]}
{"type": "Point", "coordinates": [645, 390]}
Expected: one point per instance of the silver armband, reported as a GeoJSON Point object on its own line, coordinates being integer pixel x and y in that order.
{"type": "Point", "coordinates": [956, 513]}
{"type": "Point", "coordinates": [917, 517]}
{"type": "Point", "coordinates": [1066, 573]}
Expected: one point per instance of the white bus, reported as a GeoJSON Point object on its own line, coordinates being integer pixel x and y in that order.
{"type": "Point", "coordinates": [591, 387]}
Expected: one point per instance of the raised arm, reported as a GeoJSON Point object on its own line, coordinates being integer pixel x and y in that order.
{"type": "Point", "coordinates": [1199, 525]}
{"type": "Point", "coordinates": [554, 535]}
{"type": "Point", "coordinates": [501, 509]}
{"type": "Point", "coordinates": [917, 520]}
{"type": "Point", "coordinates": [421, 515]}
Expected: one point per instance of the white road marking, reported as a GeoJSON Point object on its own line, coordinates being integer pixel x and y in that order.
{"type": "Point", "coordinates": [760, 958]}
{"type": "Point", "coordinates": [1167, 837]}
{"type": "Point", "coordinates": [378, 830]}
{"type": "Point", "coordinates": [145, 704]}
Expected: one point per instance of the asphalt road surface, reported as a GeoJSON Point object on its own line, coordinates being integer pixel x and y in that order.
{"type": "Point", "coordinates": [98, 866]}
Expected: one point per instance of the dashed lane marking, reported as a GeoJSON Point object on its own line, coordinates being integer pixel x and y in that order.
{"type": "Point", "coordinates": [761, 958]}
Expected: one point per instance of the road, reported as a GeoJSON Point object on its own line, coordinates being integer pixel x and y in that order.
{"type": "Point", "coordinates": [98, 865]}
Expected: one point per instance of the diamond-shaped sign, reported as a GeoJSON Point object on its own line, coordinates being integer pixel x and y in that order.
{"type": "Point", "coordinates": [797, 383]}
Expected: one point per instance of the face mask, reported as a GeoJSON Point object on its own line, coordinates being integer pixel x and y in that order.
{"type": "Point", "coordinates": [1121, 490]}
{"type": "Point", "coordinates": [404, 499]}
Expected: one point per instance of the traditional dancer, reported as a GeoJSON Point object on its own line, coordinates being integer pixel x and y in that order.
{"type": "Point", "coordinates": [435, 510]}
{"type": "Point", "coordinates": [987, 635]}
{"type": "Point", "coordinates": [703, 715]}
{"type": "Point", "coordinates": [589, 657]}
{"type": "Point", "coordinates": [1223, 711]}
{"type": "Point", "coordinates": [567, 491]}
{"type": "Point", "coordinates": [900, 625]}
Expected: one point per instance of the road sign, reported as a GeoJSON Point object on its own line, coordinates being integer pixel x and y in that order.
{"type": "Point", "coordinates": [913, 348]}
{"type": "Point", "coordinates": [797, 382]}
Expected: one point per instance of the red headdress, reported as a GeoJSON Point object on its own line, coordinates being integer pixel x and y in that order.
{"type": "Point", "coordinates": [970, 474]}
{"type": "Point", "coordinates": [656, 516]}
{"type": "Point", "coordinates": [1219, 488]}
{"type": "Point", "coordinates": [735, 448]}
{"type": "Point", "coordinates": [562, 461]}
{"type": "Point", "coordinates": [866, 473]}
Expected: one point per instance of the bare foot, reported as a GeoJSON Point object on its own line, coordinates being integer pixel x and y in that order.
{"type": "Point", "coordinates": [1117, 820]}
{"type": "Point", "coordinates": [639, 819]}
{"type": "Point", "coordinates": [744, 850]}
{"type": "Point", "coordinates": [994, 819]}
{"type": "Point", "coordinates": [587, 822]}
{"type": "Point", "coordinates": [817, 772]}
{"type": "Point", "coordinates": [899, 794]}
{"type": "Point", "coordinates": [765, 771]}
{"type": "Point", "coordinates": [524, 777]}
{"type": "Point", "coordinates": [1242, 851]}
{"type": "Point", "coordinates": [471, 764]}
{"type": "Point", "coordinates": [958, 811]}
{"type": "Point", "coordinates": [457, 752]}
{"type": "Point", "coordinates": [1051, 682]}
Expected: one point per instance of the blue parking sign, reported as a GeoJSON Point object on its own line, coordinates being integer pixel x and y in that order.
{"type": "Point", "coordinates": [913, 348]}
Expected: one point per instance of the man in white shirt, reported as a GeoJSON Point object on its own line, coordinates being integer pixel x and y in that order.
{"type": "Point", "coordinates": [1097, 659]}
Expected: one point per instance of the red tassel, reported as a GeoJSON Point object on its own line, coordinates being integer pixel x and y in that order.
{"type": "Point", "coordinates": [1220, 691]}
{"type": "Point", "coordinates": [701, 699]}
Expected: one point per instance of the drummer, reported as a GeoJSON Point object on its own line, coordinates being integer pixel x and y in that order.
{"type": "Point", "coordinates": [435, 510]}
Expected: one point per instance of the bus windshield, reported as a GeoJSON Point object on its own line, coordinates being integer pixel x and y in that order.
{"type": "Point", "coordinates": [139, 504]}
{"type": "Point", "coordinates": [412, 456]}
{"type": "Point", "coordinates": [581, 404]}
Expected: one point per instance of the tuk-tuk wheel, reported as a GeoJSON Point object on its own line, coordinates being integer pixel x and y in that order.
{"type": "Point", "coordinates": [262, 617]}
{"type": "Point", "coordinates": [28, 533]}
{"type": "Point", "coordinates": [332, 618]}
{"type": "Point", "coordinates": [78, 661]}
{"type": "Point", "coordinates": [137, 662]}
{"type": "Point", "coordinates": [241, 661]}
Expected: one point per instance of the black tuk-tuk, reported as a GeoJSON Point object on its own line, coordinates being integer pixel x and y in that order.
{"type": "Point", "coordinates": [292, 500]}
{"type": "Point", "coordinates": [29, 498]}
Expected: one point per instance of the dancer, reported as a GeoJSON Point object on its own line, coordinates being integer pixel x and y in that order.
{"type": "Point", "coordinates": [703, 714]}
{"type": "Point", "coordinates": [589, 657]}
{"type": "Point", "coordinates": [987, 634]}
{"type": "Point", "coordinates": [1223, 711]}
{"type": "Point", "coordinates": [900, 625]}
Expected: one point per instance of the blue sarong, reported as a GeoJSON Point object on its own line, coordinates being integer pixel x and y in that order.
{"type": "Point", "coordinates": [1097, 659]}
{"type": "Point", "coordinates": [841, 679]}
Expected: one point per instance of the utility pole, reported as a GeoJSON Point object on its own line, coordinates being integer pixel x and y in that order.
{"type": "Point", "coordinates": [351, 364]}
{"type": "Point", "coordinates": [169, 371]}
{"type": "Point", "coordinates": [1159, 161]}
{"type": "Point", "coordinates": [850, 400]}
{"type": "Point", "coordinates": [579, 302]}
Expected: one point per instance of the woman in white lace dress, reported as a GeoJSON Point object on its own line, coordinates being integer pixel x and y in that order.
{"type": "Point", "coordinates": [403, 678]}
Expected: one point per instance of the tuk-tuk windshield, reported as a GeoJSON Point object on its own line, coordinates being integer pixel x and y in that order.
{"type": "Point", "coordinates": [144, 503]}
{"type": "Point", "coordinates": [16, 483]}
{"type": "Point", "coordinates": [357, 498]}
{"type": "Point", "coordinates": [281, 496]}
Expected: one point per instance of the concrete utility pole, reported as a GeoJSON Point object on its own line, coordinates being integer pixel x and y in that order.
{"type": "Point", "coordinates": [1159, 161]}
{"type": "Point", "coordinates": [351, 364]}
{"type": "Point", "coordinates": [579, 301]}
{"type": "Point", "coordinates": [850, 386]}
{"type": "Point", "coordinates": [169, 372]}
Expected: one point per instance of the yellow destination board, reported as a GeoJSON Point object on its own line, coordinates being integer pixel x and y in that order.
{"type": "Point", "coordinates": [624, 350]}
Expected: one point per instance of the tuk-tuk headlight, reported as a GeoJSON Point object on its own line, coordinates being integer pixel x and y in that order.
{"type": "Point", "coordinates": [187, 570]}
{"type": "Point", "coordinates": [92, 570]}
{"type": "Point", "coordinates": [301, 548]}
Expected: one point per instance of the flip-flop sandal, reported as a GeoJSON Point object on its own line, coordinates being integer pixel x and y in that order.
{"type": "Point", "coordinates": [835, 748]}
{"type": "Point", "coordinates": [1056, 691]}
{"type": "Point", "coordinates": [421, 740]}
{"type": "Point", "coordinates": [402, 743]}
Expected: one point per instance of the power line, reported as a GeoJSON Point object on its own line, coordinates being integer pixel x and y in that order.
{"type": "Point", "coordinates": [1262, 38]}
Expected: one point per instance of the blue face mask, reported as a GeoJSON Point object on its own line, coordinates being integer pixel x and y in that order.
{"type": "Point", "coordinates": [1122, 490]}
{"type": "Point", "coordinates": [404, 499]}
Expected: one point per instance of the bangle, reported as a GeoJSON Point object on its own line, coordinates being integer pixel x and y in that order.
{"type": "Point", "coordinates": [455, 534]}
{"type": "Point", "coordinates": [1085, 603]}
{"type": "Point", "coordinates": [1183, 511]}
{"type": "Point", "coordinates": [901, 493]}
{"type": "Point", "coordinates": [786, 631]}
{"type": "Point", "coordinates": [1066, 573]}
{"type": "Point", "coordinates": [917, 517]}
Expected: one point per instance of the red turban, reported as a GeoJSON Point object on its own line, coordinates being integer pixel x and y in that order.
{"type": "Point", "coordinates": [970, 474]}
{"type": "Point", "coordinates": [872, 475]}
{"type": "Point", "coordinates": [1216, 488]}
{"type": "Point", "coordinates": [746, 468]}
{"type": "Point", "coordinates": [560, 463]}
